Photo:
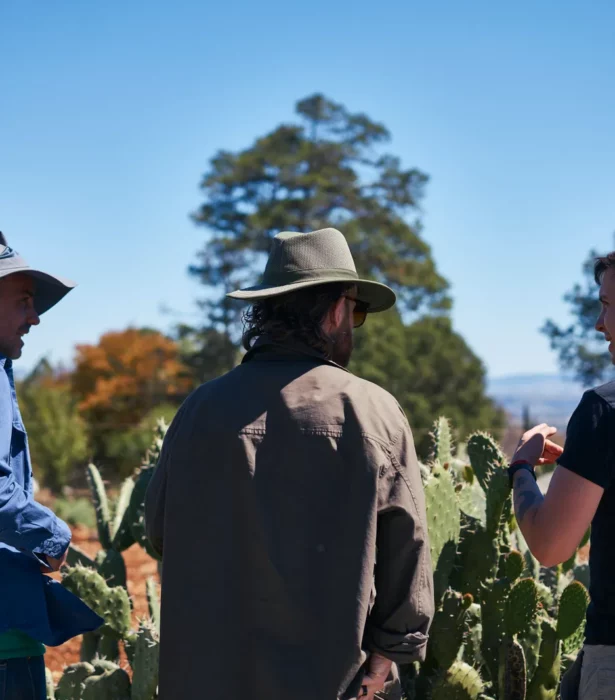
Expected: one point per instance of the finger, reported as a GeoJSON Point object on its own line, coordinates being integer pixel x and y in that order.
{"type": "Point", "coordinates": [553, 447]}
{"type": "Point", "coordinates": [547, 431]}
{"type": "Point", "coordinates": [534, 431]}
{"type": "Point", "coordinates": [375, 682]}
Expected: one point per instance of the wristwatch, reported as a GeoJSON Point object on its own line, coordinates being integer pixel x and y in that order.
{"type": "Point", "coordinates": [518, 466]}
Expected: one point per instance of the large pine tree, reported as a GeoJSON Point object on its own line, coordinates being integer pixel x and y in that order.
{"type": "Point", "coordinates": [329, 169]}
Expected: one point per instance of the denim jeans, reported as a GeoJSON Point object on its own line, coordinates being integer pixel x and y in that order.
{"type": "Point", "coordinates": [23, 679]}
{"type": "Point", "coordinates": [598, 673]}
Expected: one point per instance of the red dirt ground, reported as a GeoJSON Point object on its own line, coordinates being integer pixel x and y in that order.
{"type": "Point", "coordinates": [139, 565]}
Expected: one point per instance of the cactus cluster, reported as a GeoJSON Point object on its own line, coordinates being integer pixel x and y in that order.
{"type": "Point", "coordinates": [504, 627]}
{"type": "Point", "coordinates": [101, 584]}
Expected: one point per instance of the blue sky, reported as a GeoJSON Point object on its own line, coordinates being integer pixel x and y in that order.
{"type": "Point", "coordinates": [110, 112]}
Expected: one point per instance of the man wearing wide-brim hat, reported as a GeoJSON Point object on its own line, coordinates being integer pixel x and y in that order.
{"type": "Point", "coordinates": [276, 485]}
{"type": "Point", "coordinates": [35, 610]}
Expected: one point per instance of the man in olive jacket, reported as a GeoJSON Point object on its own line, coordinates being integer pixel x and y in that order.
{"type": "Point", "coordinates": [288, 504]}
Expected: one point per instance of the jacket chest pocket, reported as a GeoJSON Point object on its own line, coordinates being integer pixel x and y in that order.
{"type": "Point", "coordinates": [19, 462]}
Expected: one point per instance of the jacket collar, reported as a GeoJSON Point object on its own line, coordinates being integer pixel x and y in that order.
{"type": "Point", "coordinates": [266, 344]}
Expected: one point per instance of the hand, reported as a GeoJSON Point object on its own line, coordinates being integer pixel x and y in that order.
{"type": "Point", "coordinates": [55, 564]}
{"type": "Point", "coordinates": [378, 670]}
{"type": "Point", "coordinates": [536, 448]}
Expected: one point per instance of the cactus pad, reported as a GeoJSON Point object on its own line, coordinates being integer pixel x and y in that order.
{"type": "Point", "coordinates": [460, 682]}
{"type": "Point", "coordinates": [485, 457]}
{"type": "Point", "coordinates": [472, 501]}
{"type": "Point", "coordinates": [443, 442]}
{"type": "Point", "coordinates": [117, 613]}
{"type": "Point", "coordinates": [448, 629]}
{"type": "Point", "coordinates": [443, 523]}
{"type": "Point", "coordinates": [572, 609]}
{"type": "Point", "coordinates": [145, 665]}
{"type": "Point", "coordinates": [478, 558]}
{"type": "Point", "coordinates": [521, 607]}
{"type": "Point", "coordinates": [514, 565]}
{"type": "Point", "coordinates": [101, 505]}
{"type": "Point", "coordinates": [544, 684]}
{"type": "Point", "coordinates": [514, 675]}
{"type": "Point", "coordinates": [121, 531]}
{"type": "Point", "coordinates": [111, 567]}
{"type": "Point", "coordinates": [89, 585]}
{"type": "Point", "coordinates": [70, 686]}
{"type": "Point", "coordinates": [109, 685]}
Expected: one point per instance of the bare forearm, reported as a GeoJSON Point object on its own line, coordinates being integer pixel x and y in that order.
{"type": "Point", "coordinates": [528, 500]}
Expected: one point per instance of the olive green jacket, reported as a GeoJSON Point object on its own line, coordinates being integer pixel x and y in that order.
{"type": "Point", "coordinates": [277, 485]}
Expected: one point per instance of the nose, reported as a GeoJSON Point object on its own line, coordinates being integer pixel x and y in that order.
{"type": "Point", "coordinates": [600, 323]}
{"type": "Point", "coordinates": [33, 317]}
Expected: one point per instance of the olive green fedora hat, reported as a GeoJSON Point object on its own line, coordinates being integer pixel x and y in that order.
{"type": "Point", "coordinates": [300, 260]}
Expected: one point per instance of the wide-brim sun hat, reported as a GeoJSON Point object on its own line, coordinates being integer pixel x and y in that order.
{"type": "Point", "coordinates": [49, 289]}
{"type": "Point", "coordinates": [301, 260]}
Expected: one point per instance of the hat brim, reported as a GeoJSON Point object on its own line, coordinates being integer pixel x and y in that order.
{"type": "Point", "coordinates": [378, 296]}
{"type": "Point", "coordinates": [49, 288]}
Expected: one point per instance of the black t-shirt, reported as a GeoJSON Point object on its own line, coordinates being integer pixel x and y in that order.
{"type": "Point", "coordinates": [590, 453]}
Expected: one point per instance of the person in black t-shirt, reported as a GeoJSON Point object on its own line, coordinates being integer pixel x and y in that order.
{"type": "Point", "coordinates": [581, 492]}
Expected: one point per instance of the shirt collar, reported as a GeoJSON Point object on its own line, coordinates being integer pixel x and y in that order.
{"type": "Point", "coordinates": [295, 347]}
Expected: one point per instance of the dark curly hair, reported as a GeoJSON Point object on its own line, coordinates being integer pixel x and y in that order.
{"type": "Point", "coordinates": [295, 316]}
{"type": "Point", "coordinates": [602, 264]}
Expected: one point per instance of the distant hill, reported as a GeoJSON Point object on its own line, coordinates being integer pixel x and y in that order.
{"type": "Point", "coordinates": [551, 398]}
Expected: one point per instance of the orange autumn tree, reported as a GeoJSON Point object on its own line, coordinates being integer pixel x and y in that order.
{"type": "Point", "coordinates": [123, 383]}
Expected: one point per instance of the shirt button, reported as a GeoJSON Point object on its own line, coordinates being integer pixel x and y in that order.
{"type": "Point", "coordinates": [12, 488]}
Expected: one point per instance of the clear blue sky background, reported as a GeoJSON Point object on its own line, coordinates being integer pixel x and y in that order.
{"type": "Point", "coordinates": [110, 111]}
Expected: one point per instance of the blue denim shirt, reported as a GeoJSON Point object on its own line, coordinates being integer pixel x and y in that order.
{"type": "Point", "coordinates": [29, 600]}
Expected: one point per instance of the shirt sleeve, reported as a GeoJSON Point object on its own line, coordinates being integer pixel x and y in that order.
{"type": "Point", "coordinates": [24, 524]}
{"type": "Point", "coordinates": [397, 627]}
{"type": "Point", "coordinates": [588, 451]}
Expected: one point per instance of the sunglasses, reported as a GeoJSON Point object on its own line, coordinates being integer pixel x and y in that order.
{"type": "Point", "coordinates": [359, 313]}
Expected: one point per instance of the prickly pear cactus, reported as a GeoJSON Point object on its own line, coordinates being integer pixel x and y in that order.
{"type": "Point", "coordinates": [145, 664]}
{"type": "Point", "coordinates": [514, 565]}
{"type": "Point", "coordinates": [572, 608]}
{"type": "Point", "coordinates": [449, 629]}
{"type": "Point", "coordinates": [111, 684]}
{"type": "Point", "coordinates": [460, 682]}
{"type": "Point", "coordinates": [443, 525]}
{"type": "Point", "coordinates": [72, 681]}
{"type": "Point", "coordinates": [443, 442]}
{"type": "Point", "coordinates": [101, 505]}
{"type": "Point", "coordinates": [122, 534]}
{"type": "Point", "coordinates": [545, 682]}
{"type": "Point", "coordinates": [89, 585]}
{"type": "Point", "coordinates": [485, 457]}
{"type": "Point", "coordinates": [521, 607]}
{"type": "Point", "coordinates": [513, 675]}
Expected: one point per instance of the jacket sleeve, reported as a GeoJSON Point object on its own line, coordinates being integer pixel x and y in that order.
{"type": "Point", "coordinates": [24, 524]}
{"type": "Point", "coordinates": [155, 497]}
{"type": "Point", "coordinates": [399, 622]}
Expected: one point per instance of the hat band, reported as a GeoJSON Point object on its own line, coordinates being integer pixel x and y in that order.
{"type": "Point", "coordinates": [280, 279]}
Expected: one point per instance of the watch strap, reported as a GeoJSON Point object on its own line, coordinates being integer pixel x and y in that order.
{"type": "Point", "coordinates": [517, 467]}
